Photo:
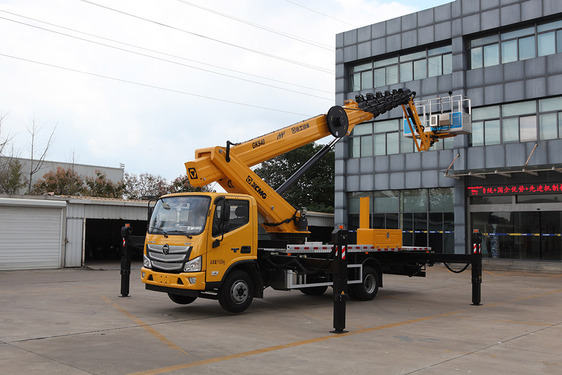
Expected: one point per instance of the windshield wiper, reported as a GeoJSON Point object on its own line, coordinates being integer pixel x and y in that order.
{"type": "Point", "coordinates": [180, 232]}
{"type": "Point", "coordinates": [159, 231]}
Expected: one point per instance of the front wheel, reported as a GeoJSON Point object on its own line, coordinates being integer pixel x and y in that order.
{"type": "Point", "coordinates": [237, 292]}
{"type": "Point", "coordinates": [182, 300]}
{"type": "Point", "coordinates": [369, 286]}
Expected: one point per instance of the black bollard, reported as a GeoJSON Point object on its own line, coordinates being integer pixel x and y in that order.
{"type": "Point", "coordinates": [340, 282]}
{"type": "Point", "coordinates": [476, 261]}
{"type": "Point", "coordinates": [125, 260]}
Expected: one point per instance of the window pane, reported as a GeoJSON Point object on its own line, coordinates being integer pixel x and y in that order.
{"type": "Point", "coordinates": [414, 200]}
{"type": "Point", "coordinates": [386, 201]}
{"type": "Point", "coordinates": [528, 128]}
{"type": "Point", "coordinates": [367, 80]}
{"type": "Point", "coordinates": [491, 55]}
{"type": "Point", "coordinates": [392, 60]}
{"type": "Point", "coordinates": [546, 44]}
{"type": "Point", "coordinates": [420, 69]}
{"type": "Point", "coordinates": [486, 112]}
{"type": "Point", "coordinates": [434, 67]}
{"type": "Point", "coordinates": [363, 129]}
{"type": "Point", "coordinates": [559, 41]}
{"type": "Point", "coordinates": [439, 50]}
{"type": "Point", "coordinates": [560, 123]}
{"type": "Point", "coordinates": [385, 126]}
{"type": "Point", "coordinates": [392, 143]}
{"type": "Point", "coordinates": [478, 133]}
{"type": "Point", "coordinates": [476, 58]}
{"type": "Point", "coordinates": [391, 74]}
{"type": "Point", "coordinates": [448, 63]}
{"type": "Point", "coordinates": [492, 132]}
{"type": "Point", "coordinates": [354, 147]}
{"type": "Point", "coordinates": [518, 33]}
{"type": "Point", "coordinates": [441, 200]}
{"type": "Point", "coordinates": [380, 144]}
{"type": "Point", "coordinates": [406, 72]}
{"type": "Point", "coordinates": [509, 51]}
{"type": "Point", "coordinates": [553, 104]}
{"type": "Point", "coordinates": [362, 67]}
{"type": "Point", "coordinates": [510, 130]}
{"type": "Point", "coordinates": [380, 77]}
{"type": "Point", "coordinates": [356, 82]}
{"type": "Point", "coordinates": [448, 143]}
{"type": "Point", "coordinates": [548, 126]}
{"type": "Point", "coordinates": [366, 146]}
{"type": "Point", "coordinates": [526, 48]}
{"type": "Point", "coordinates": [484, 40]}
{"type": "Point", "coordinates": [412, 56]}
{"type": "Point", "coordinates": [516, 109]}
{"type": "Point", "coordinates": [406, 144]}
{"type": "Point", "coordinates": [549, 26]}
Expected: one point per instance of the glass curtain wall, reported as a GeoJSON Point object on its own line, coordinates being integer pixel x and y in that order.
{"type": "Point", "coordinates": [424, 215]}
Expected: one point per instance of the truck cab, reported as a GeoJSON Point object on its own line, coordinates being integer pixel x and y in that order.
{"type": "Point", "coordinates": [196, 241]}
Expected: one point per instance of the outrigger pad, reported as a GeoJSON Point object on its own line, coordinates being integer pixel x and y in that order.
{"type": "Point", "coordinates": [338, 122]}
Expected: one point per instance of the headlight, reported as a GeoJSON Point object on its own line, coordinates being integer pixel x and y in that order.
{"type": "Point", "coordinates": [193, 265]}
{"type": "Point", "coordinates": [146, 262]}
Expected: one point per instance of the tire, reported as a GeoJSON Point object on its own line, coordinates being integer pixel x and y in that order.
{"type": "Point", "coordinates": [182, 300]}
{"type": "Point", "coordinates": [314, 290]}
{"type": "Point", "coordinates": [369, 286]}
{"type": "Point", "coordinates": [237, 292]}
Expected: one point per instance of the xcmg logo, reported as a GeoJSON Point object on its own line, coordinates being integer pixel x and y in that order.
{"type": "Point", "coordinates": [256, 187]}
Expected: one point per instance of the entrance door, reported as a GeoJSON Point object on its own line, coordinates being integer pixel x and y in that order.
{"type": "Point", "coordinates": [520, 235]}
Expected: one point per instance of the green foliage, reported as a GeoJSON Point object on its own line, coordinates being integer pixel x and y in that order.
{"type": "Point", "coordinates": [11, 177]}
{"type": "Point", "coordinates": [314, 190]}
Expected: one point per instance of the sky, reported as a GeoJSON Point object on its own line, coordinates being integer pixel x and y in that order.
{"type": "Point", "coordinates": [144, 83]}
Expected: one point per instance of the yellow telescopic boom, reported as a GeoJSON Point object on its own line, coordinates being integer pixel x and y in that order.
{"type": "Point", "coordinates": [230, 165]}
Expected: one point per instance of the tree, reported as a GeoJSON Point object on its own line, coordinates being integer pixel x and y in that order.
{"type": "Point", "coordinates": [11, 176]}
{"type": "Point", "coordinates": [100, 186]}
{"type": "Point", "coordinates": [315, 189]}
{"type": "Point", "coordinates": [4, 140]}
{"type": "Point", "coordinates": [61, 182]}
{"type": "Point", "coordinates": [144, 184]}
{"type": "Point", "coordinates": [36, 164]}
{"type": "Point", "coordinates": [181, 184]}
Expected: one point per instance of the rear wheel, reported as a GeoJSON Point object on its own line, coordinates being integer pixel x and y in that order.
{"type": "Point", "coordinates": [182, 300]}
{"type": "Point", "coordinates": [237, 292]}
{"type": "Point", "coordinates": [369, 286]}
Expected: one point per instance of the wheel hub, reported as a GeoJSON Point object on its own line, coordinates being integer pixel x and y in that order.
{"type": "Point", "coordinates": [239, 291]}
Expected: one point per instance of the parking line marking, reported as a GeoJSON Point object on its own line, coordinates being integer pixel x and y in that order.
{"type": "Point", "coordinates": [147, 327]}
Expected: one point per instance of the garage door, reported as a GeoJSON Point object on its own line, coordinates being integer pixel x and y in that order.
{"type": "Point", "coordinates": [31, 234]}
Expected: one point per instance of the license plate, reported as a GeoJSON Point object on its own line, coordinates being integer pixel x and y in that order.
{"type": "Point", "coordinates": [163, 279]}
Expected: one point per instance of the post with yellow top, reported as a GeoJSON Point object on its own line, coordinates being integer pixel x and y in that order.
{"type": "Point", "coordinates": [340, 281]}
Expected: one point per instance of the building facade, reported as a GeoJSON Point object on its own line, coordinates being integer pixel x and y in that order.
{"type": "Point", "coordinates": [505, 178]}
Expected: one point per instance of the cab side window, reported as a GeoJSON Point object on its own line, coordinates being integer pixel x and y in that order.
{"type": "Point", "coordinates": [239, 215]}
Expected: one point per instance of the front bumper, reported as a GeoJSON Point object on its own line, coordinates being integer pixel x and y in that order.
{"type": "Point", "coordinates": [194, 281]}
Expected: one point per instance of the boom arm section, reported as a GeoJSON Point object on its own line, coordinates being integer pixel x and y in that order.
{"type": "Point", "coordinates": [230, 166]}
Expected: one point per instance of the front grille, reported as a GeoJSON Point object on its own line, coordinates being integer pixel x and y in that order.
{"type": "Point", "coordinates": [170, 259]}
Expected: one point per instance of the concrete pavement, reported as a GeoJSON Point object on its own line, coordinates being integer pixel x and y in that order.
{"type": "Point", "coordinates": [72, 321]}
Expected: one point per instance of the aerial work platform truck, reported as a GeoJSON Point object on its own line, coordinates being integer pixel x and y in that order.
{"type": "Point", "coordinates": [207, 244]}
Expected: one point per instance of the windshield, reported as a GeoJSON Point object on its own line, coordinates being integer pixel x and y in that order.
{"type": "Point", "coordinates": [183, 215]}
